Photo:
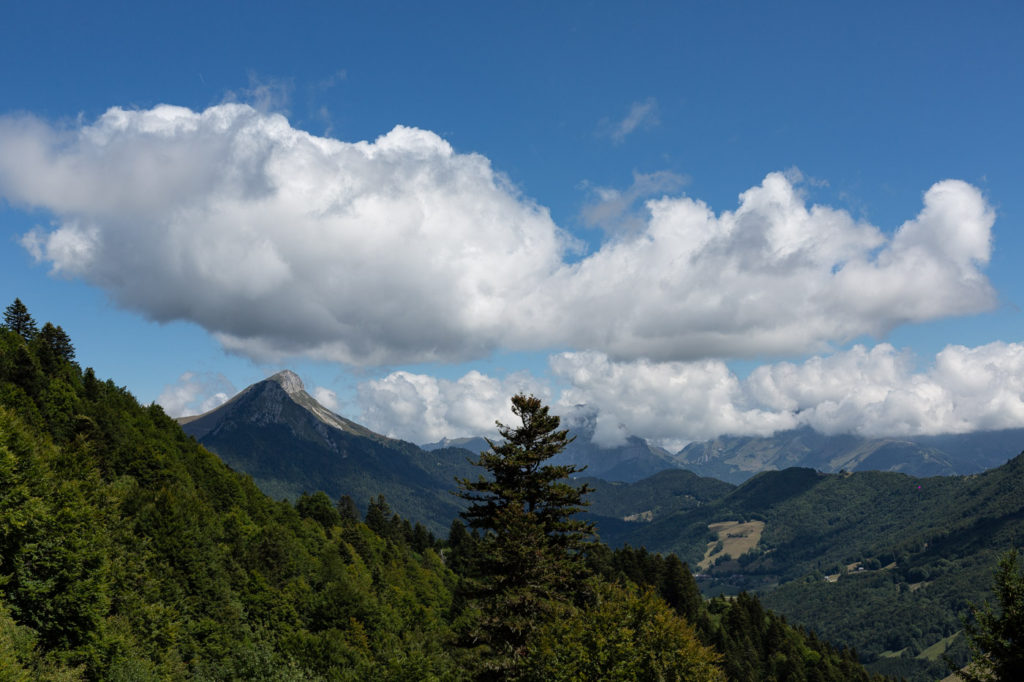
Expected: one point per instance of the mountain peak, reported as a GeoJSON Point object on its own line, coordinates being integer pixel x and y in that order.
{"type": "Point", "coordinates": [289, 381]}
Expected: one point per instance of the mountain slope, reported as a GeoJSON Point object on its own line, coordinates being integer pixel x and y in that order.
{"type": "Point", "coordinates": [902, 555]}
{"type": "Point", "coordinates": [668, 491]}
{"type": "Point", "coordinates": [290, 444]}
{"type": "Point", "coordinates": [813, 518]}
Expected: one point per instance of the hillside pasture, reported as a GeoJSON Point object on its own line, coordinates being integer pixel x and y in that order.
{"type": "Point", "coordinates": [733, 539]}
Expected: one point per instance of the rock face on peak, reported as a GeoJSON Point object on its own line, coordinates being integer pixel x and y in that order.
{"type": "Point", "coordinates": [290, 444]}
{"type": "Point", "coordinates": [289, 381]}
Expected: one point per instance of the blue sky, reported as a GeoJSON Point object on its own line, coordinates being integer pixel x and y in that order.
{"type": "Point", "coordinates": [560, 210]}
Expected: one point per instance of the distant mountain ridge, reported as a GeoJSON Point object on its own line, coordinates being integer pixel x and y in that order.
{"type": "Point", "coordinates": [474, 444]}
{"type": "Point", "coordinates": [290, 444]}
{"type": "Point", "coordinates": [631, 461]}
{"type": "Point", "coordinates": [737, 458]}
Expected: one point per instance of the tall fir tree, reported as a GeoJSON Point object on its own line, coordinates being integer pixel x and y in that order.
{"type": "Point", "coordinates": [530, 560]}
{"type": "Point", "coordinates": [18, 320]}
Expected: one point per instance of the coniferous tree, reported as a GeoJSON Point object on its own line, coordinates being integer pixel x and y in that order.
{"type": "Point", "coordinates": [347, 509]}
{"type": "Point", "coordinates": [530, 558]}
{"type": "Point", "coordinates": [461, 548]}
{"type": "Point", "coordinates": [18, 320]}
{"type": "Point", "coordinates": [377, 514]}
{"type": "Point", "coordinates": [421, 538]}
{"type": "Point", "coordinates": [680, 590]}
{"type": "Point", "coordinates": [91, 384]}
{"type": "Point", "coordinates": [996, 639]}
{"type": "Point", "coordinates": [57, 342]}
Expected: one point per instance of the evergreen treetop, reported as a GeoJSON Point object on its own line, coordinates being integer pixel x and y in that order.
{"type": "Point", "coordinates": [530, 560]}
{"type": "Point", "coordinates": [57, 342]}
{"type": "Point", "coordinates": [18, 320]}
{"type": "Point", "coordinates": [521, 479]}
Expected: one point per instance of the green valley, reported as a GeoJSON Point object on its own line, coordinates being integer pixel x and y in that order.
{"type": "Point", "coordinates": [878, 561]}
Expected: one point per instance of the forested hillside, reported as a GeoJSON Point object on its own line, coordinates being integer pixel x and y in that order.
{"type": "Point", "coordinates": [878, 561]}
{"type": "Point", "coordinates": [129, 552]}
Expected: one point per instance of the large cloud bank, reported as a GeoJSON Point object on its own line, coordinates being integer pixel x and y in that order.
{"type": "Point", "coordinates": [871, 392]}
{"type": "Point", "coordinates": [284, 244]}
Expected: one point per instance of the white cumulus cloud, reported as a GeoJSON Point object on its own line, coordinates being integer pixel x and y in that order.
{"type": "Point", "coordinates": [279, 242]}
{"type": "Point", "coordinates": [195, 393]}
{"type": "Point", "coordinates": [284, 244]}
{"type": "Point", "coordinates": [773, 277]}
{"type": "Point", "coordinates": [873, 392]}
{"type": "Point", "coordinates": [326, 397]}
{"type": "Point", "coordinates": [669, 403]}
{"type": "Point", "coordinates": [424, 409]}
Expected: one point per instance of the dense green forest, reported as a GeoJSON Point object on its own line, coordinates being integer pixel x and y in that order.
{"type": "Point", "coordinates": [129, 552]}
{"type": "Point", "coordinates": [881, 562]}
